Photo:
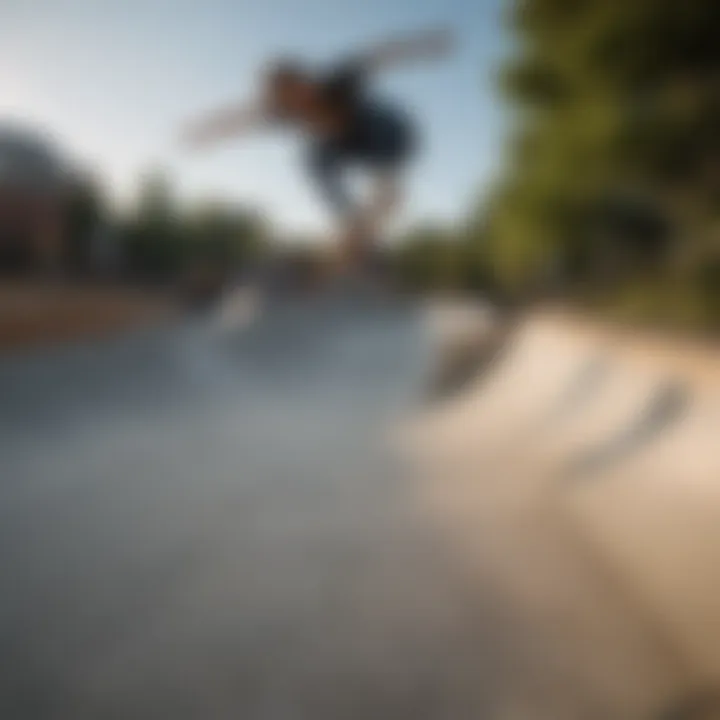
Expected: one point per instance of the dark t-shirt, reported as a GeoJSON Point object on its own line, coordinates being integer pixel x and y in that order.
{"type": "Point", "coordinates": [374, 131]}
{"type": "Point", "coordinates": [344, 86]}
{"type": "Point", "coordinates": [375, 134]}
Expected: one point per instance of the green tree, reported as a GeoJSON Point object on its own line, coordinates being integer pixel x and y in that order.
{"type": "Point", "coordinates": [155, 246]}
{"type": "Point", "coordinates": [165, 241]}
{"type": "Point", "coordinates": [86, 213]}
{"type": "Point", "coordinates": [224, 235]}
{"type": "Point", "coordinates": [435, 257]}
{"type": "Point", "coordinates": [614, 101]}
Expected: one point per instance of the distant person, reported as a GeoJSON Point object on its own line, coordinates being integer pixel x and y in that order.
{"type": "Point", "coordinates": [346, 127]}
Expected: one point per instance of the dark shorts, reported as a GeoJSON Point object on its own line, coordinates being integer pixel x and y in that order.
{"type": "Point", "coordinates": [382, 139]}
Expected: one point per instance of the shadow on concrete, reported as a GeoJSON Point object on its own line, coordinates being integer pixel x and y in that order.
{"type": "Point", "coordinates": [580, 390]}
{"type": "Point", "coordinates": [699, 706]}
{"type": "Point", "coordinates": [665, 408]}
{"type": "Point", "coordinates": [468, 363]}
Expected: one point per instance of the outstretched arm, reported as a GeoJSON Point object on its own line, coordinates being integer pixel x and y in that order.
{"type": "Point", "coordinates": [427, 45]}
{"type": "Point", "coordinates": [223, 124]}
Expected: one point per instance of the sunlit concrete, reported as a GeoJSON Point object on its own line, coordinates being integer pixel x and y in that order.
{"type": "Point", "coordinates": [276, 518]}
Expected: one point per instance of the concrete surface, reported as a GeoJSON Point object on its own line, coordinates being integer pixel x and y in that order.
{"type": "Point", "coordinates": [277, 522]}
{"type": "Point", "coordinates": [594, 449]}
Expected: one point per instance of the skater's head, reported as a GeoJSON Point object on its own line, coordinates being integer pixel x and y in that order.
{"type": "Point", "coordinates": [290, 88]}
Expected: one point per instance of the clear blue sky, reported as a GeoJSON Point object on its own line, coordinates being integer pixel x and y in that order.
{"type": "Point", "coordinates": [114, 79]}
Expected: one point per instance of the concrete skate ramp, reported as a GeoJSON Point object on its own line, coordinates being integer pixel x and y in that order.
{"type": "Point", "coordinates": [280, 521]}
{"type": "Point", "coordinates": [609, 443]}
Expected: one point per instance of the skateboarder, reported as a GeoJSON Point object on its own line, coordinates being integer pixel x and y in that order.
{"type": "Point", "coordinates": [345, 126]}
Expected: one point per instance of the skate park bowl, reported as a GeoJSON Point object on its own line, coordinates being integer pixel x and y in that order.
{"type": "Point", "coordinates": [382, 509]}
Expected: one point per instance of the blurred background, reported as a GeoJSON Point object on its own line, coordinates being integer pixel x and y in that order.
{"type": "Point", "coordinates": [571, 147]}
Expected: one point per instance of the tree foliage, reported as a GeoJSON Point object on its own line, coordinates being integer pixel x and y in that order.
{"type": "Point", "coordinates": [86, 212]}
{"type": "Point", "coordinates": [165, 240]}
{"type": "Point", "coordinates": [436, 257]}
{"type": "Point", "coordinates": [617, 116]}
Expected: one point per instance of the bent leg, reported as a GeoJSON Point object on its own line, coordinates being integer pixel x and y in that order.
{"type": "Point", "coordinates": [367, 224]}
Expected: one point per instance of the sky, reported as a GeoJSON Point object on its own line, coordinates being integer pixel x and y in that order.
{"type": "Point", "coordinates": [114, 81]}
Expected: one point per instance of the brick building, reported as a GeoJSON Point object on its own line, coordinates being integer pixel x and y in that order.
{"type": "Point", "coordinates": [33, 188]}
